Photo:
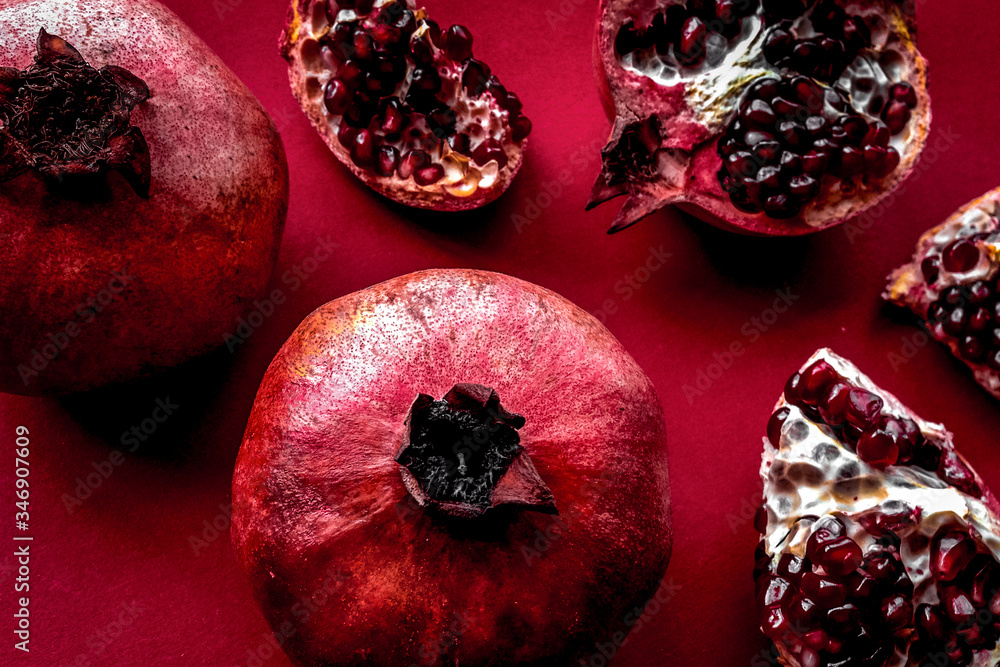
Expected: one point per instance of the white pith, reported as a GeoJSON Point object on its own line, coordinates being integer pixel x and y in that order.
{"type": "Point", "coordinates": [800, 481]}
{"type": "Point", "coordinates": [907, 287]}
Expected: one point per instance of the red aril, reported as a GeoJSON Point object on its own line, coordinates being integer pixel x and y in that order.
{"type": "Point", "coordinates": [760, 119]}
{"type": "Point", "coordinates": [871, 561]}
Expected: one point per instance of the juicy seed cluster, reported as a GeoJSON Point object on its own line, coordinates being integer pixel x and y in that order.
{"type": "Point", "coordinates": [834, 41]}
{"type": "Point", "coordinates": [688, 34]}
{"type": "Point", "coordinates": [856, 416]}
{"type": "Point", "coordinates": [391, 98]}
{"type": "Point", "coordinates": [790, 135]}
{"type": "Point", "coordinates": [967, 313]}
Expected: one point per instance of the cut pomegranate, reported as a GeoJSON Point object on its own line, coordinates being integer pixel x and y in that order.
{"type": "Point", "coordinates": [773, 118]}
{"type": "Point", "coordinates": [382, 79]}
{"type": "Point", "coordinates": [407, 439]}
{"type": "Point", "coordinates": [951, 284]}
{"type": "Point", "coordinates": [866, 560]}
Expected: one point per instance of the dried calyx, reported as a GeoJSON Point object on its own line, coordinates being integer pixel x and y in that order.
{"type": "Point", "coordinates": [69, 121]}
{"type": "Point", "coordinates": [879, 541]}
{"type": "Point", "coordinates": [462, 456]}
{"type": "Point", "coordinates": [409, 101]}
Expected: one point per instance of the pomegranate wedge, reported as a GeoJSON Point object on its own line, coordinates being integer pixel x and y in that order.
{"type": "Point", "coordinates": [951, 284]}
{"type": "Point", "coordinates": [781, 117]}
{"type": "Point", "coordinates": [880, 542]}
{"type": "Point", "coordinates": [403, 103]}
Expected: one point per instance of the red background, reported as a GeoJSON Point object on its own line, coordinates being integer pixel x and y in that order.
{"type": "Point", "coordinates": [117, 581]}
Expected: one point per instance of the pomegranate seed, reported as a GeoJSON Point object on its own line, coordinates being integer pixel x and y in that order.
{"type": "Point", "coordinates": [823, 591]}
{"type": "Point", "coordinates": [784, 107]}
{"type": "Point", "coordinates": [434, 30]}
{"type": "Point", "coordinates": [774, 426]}
{"type": "Point", "coordinates": [364, 47]}
{"type": "Point", "coordinates": [980, 292]}
{"type": "Point", "coordinates": [833, 405]}
{"type": "Point", "coordinates": [413, 161]}
{"type": "Point", "coordinates": [896, 116]}
{"type": "Point", "coordinates": [905, 93]}
{"type": "Point", "coordinates": [960, 256]}
{"type": "Point", "coordinates": [859, 585]}
{"type": "Point", "coordinates": [460, 143]}
{"type": "Point", "coordinates": [775, 624]}
{"type": "Point", "coordinates": [794, 388]}
{"type": "Point", "coordinates": [927, 455]}
{"type": "Point", "coordinates": [363, 150]}
{"type": "Point", "coordinates": [774, 591]}
{"type": "Point", "coordinates": [954, 323]}
{"type": "Point", "coordinates": [816, 640]}
{"type": "Point", "coordinates": [980, 321]}
{"type": "Point", "coordinates": [817, 378]}
{"type": "Point", "coordinates": [852, 161]}
{"type": "Point", "coordinates": [843, 620]}
{"type": "Point", "coordinates": [429, 175]}
{"type": "Point", "coordinates": [490, 149]}
{"type": "Point", "coordinates": [863, 408]}
{"type": "Point", "coordinates": [952, 296]}
{"type": "Point", "coordinates": [767, 152]}
{"type": "Point", "coordinates": [958, 607]}
{"type": "Point", "coordinates": [804, 187]}
{"type": "Point", "coordinates": [692, 43]}
{"type": "Point", "coordinates": [512, 104]}
{"type": "Point", "coordinates": [791, 567]}
{"type": "Point", "coordinates": [929, 623]}
{"type": "Point", "coordinates": [814, 163]}
{"type": "Point", "coordinates": [520, 128]}
{"type": "Point", "coordinates": [336, 97]}
{"type": "Point", "coordinates": [387, 161]}
{"type": "Point", "coordinates": [351, 74]}
{"type": "Point", "coordinates": [984, 579]}
{"type": "Point", "coordinates": [930, 268]}
{"type": "Point", "coordinates": [950, 553]}
{"type": "Point", "coordinates": [840, 556]}
{"type": "Point", "coordinates": [476, 77]}
{"type": "Point", "coordinates": [458, 43]}
{"type": "Point", "coordinates": [385, 35]}
{"type": "Point", "coordinates": [856, 32]}
{"type": "Point", "coordinates": [878, 448]}
{"type": "Point", "coordinates": [760, 519]}
{"type": "Point", "coordinates": [393, 118]}
{"type": "Point", "coordinates": [769, 177]}
{"type": "Point", "coordinates": [817, 126]}
{"type": "Point", "coordinates": [792, 133]}
{"type": "Point", "coordinates": [498, 91]}
{"type": "Point", "coordinates": [802, 612]}
{"type": "Point", "coordinates": [897, 612]}
{"type": "Point", "coordinates": [758, 114]}
{"type": "Point", "coordinates": [878, 135]}
{"type": "Point", "coordinates": [346, 135]}
{"type": "Point", "coordinates": [782, 207]}
{"type": "Point", "coordinates": [972, 349]}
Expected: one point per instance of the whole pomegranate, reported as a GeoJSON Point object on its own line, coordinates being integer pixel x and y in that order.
{"type": "Point", "coordinates": [766, 117]}
{"type": "Point", "coordinates": [452, 467]}
{"type": "Point", "coordinates": [880, 542]}
{"type": "Point", "coordinates": [402, 103]}
{"type": "Point", "coordinates": [951, 284]}
{"type": "Point", "coordinates": [143, 191]}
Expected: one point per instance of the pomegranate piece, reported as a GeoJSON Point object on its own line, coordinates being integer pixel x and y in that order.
{"type": "Point", "coordinates": [122, 180]}
{"type": "Point", "coordinates": [866, 560]}
{"type": "Point", "coordinates": [461, 461]}
{"type": "Point", "coordinates": [387, 75]}
{"type": "Point", "coordinates": [951, 284]}
{"type": "Point", "coordinates": [766, 118]}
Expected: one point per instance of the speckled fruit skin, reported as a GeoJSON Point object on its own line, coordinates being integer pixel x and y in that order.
{"type": "Point", "coordinates": [688, 179]}
{"type": "Point", "coordinates": [320, 512]}
{"type": "Point", "coordinates": [198, 251]}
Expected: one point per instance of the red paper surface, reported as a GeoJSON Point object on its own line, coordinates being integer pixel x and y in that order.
{"type": "Point", "coordinates": [123, 580]}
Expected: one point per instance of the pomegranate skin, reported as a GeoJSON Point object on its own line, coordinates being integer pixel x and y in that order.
{"type": "Point", "coordinates": [688, 114]}
{"type": "Point", "coordinates": [319, 504]}
{"type": "Point", "coordinates": [191, 256]}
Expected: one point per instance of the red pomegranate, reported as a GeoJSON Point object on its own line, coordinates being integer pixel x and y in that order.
{"type": "Point", "coordinates": [773, 117]}
{"type": "Point", "coordinates": [402, 103]}
{"type": "Point", "coordinates": [143, 191]}
{"type": "Point", "coordinates": [951, 284]}
{"type": "Point", "coordinates": [880, 542]}
{"type": "Point", "coordinates": [452, 467]}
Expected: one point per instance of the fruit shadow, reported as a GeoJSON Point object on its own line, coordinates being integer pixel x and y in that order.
{"type": "Point", "coordinates": [155, 417]}
{"type": "Point", "coordinates": [477, 228]}
{"type": "Point", "coordinates": [756, 261]}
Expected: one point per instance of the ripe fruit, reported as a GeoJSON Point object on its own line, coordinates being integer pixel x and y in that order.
{"type": "Point", "coordinates": [375, 463]}
{"type": "Point", "coordinates": [951, 284]}
{"type": "Point", "coordinates": [879, 560]}
{"type": "Point", "coordinates": [387, 81]}
{"type": "Point", "coordinates": [141, 199]}
{"type": "Point", "coordinates": [766, 118]}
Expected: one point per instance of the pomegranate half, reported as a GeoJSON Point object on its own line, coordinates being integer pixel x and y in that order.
{"type": "Point", "coordinates": [143, 192]}
{"type": "Point", "coordinates": [402, 103]}
{"type": "Point", "coordinates": [764, 117]}
{"type": "Point", "coordinates": [468, 468]}
{"type": "Point", "coordinates": [951, 284]}
{"type": "Point", "coordinates": [880, 542]}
